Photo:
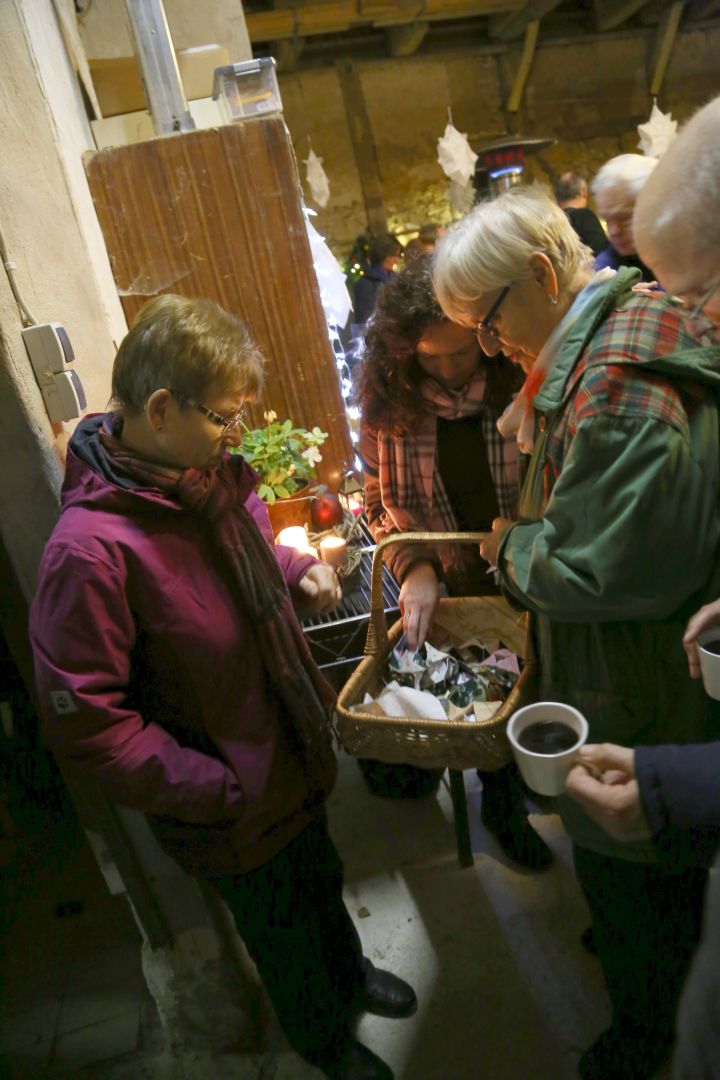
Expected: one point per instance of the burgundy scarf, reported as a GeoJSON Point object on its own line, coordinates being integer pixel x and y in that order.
{"type": "Point", "coordinates": [260, 587]}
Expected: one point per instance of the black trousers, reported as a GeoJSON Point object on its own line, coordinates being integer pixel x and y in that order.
{"type": "Point", "coordinates": [291, 915]}
{"type": "Point", "coordinates": [646, 925]}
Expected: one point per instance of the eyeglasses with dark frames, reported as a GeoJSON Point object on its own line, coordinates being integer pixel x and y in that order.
{"type": "Point", "coordinates": [486, 333]}
{"type": "Point", "coordinates": [227, 423]}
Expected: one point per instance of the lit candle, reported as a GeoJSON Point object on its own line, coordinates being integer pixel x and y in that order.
{"type": "Point", "coordinates": [333, 550]}
{"type": "Point", "coordinates": [294, 536]}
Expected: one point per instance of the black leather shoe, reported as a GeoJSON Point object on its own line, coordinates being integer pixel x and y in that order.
{"type": "Point", "coordinates": [518, 839]}
{"type": "Point", "coordinates": [359, 1063]}
{"type": "Point", "coordinates": [385, 994]}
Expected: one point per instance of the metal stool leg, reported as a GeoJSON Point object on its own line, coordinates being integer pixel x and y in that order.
{"type": "Point", "coordinates": [462, 828]}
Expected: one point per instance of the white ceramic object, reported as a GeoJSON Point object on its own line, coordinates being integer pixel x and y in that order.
{"type": "Point", "coordinates": [545, 773]}
{"type": "Point", "coordinates": [710, 662]}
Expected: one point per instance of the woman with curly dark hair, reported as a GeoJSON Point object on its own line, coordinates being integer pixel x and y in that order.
{"type": "Point", "coordinates": [434, 460]}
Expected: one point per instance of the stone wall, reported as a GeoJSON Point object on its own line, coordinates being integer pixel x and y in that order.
{"type": "Point", "coordinates": [589, 95]}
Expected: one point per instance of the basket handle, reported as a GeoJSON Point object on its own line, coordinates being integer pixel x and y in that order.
{"type": "Point", "coordinates": [377, 635]}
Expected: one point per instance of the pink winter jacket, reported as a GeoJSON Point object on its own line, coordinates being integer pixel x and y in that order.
{"type": "Point", "coordinates": [149, 675]}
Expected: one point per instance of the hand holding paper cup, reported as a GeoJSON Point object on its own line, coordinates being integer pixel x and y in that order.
{"type": "Point", "coordinates": [545, 740]}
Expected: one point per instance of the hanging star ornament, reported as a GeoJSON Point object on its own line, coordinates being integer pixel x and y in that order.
{"type": "Point", "coordinates": [456, 156]}
{"type": "Point", "coordinates": [317, 179]}
{"type": "Point", "coordinates": [658, 133]}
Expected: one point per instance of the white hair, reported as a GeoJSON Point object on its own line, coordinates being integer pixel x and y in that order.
{"type": "Point", "coordinates": [630, 171]}
{"type": "Point", "coordinates": [492, 246]}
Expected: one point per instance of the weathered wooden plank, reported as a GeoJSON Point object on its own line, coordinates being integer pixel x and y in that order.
{"type": "Point", "coordinates": [217, 213]}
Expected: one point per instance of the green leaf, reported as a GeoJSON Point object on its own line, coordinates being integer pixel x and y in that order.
{"type": "Point", "coordinates": [266, 493]}
{"type": "Point", "coordinates": [281, 491]}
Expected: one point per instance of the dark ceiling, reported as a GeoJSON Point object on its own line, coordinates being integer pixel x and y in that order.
{"type": "Point", "coordinates": [308, 33]}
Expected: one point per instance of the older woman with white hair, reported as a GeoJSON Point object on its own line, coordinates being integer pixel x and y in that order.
{"type": "Point", "coordinates": [619, 411]}
{"type": "Point", "coordinates": [616, 188]}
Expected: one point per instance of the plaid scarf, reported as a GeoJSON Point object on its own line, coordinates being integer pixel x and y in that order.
{"type": "Point", "coordinates": [260, 588]}
{"type": "Point", "coordinates": [413, 493]}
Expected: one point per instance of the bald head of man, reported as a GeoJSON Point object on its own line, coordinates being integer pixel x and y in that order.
{"type": "Point", "coordinates": [677, 216]}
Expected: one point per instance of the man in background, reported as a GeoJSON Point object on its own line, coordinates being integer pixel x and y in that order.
{"type": "Point", "coordinates": [571, 195]}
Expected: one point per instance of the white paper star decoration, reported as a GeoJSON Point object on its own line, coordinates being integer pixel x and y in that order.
{"type": "Point", "coordinates": [657, 134]}
{"type": "Point", "coordinates": [456, 156]}
{"type": "Point", "coordinates": [317, 179]}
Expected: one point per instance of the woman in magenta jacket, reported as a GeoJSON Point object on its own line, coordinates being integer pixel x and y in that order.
{"type": "Point", "coordinates": [172, 670]}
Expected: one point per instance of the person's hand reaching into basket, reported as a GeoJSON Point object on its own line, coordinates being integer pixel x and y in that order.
{"type": "Point", "coordinates": [418, 598]}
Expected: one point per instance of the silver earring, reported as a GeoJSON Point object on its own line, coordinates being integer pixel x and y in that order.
{"type": "Point", "coordinates": [553, 299]}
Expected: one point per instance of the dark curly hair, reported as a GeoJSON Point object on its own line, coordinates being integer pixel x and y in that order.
{"type": "Point", "coordinates": [390, 375]}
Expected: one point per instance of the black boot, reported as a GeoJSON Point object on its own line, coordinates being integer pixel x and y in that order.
{"type": "Point", "coordinates": [504, 813]}
{"type": "Point", "coordinates": [358, 1063]}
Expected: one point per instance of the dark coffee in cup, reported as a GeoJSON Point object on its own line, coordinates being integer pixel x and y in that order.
{"type": "Point", "coordinates": [712, 646]}
{"type": "Point", "coordinates": [547, 737]}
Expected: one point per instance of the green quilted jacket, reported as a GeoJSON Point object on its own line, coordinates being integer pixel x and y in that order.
{"type": "Point", "coordinates": [617, 542]}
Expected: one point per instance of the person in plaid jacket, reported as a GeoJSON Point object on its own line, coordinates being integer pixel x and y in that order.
{"type": "Point", "coordinates": [616, 540]}
{"type": "Point", "coordinates": [434, 460]}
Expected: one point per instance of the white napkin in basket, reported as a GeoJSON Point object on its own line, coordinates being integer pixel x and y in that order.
{"type": "Point", "coordinates": [396, 700]}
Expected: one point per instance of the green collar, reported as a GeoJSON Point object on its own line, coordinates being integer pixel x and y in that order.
{"type": "Point", "coordinates": [608, 296]}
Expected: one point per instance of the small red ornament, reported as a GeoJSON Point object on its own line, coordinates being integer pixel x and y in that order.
{"type": "Point", "coordinates": [326, 511]}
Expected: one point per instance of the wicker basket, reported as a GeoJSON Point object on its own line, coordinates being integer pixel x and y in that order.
{"type": "Point", "coordinates": [455, 744]}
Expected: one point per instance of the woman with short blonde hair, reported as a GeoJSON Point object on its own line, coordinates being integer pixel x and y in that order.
{"type": "Point", "coordinates": [619, 412]}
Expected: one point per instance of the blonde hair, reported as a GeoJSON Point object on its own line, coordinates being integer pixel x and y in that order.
{"type": "Point", "coordinates": [184, 345]}
{"type": "Point", "coordinates": [492, 246]}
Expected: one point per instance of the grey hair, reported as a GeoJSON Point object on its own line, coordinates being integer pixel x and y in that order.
{"type": "Point", "coordinates": [491, 247]}
{"type": "Point", "coordinates": [630, 171]}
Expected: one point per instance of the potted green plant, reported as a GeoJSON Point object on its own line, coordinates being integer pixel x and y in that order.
{"type": "Point", "coordinates": [285, 457]}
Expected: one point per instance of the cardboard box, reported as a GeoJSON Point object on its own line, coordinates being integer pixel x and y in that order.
{"type": "Point", "coordinates": [197, 66]}
{"type": "Point", "coordinates": [118, 83]}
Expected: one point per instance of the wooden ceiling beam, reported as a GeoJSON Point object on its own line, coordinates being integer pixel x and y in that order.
{"type": "Point", "coordinates": [513, 24]}
{"type": "Point", "coordinates": [612, 13]}
{"type": "Point", "coordinates": [703, 9]}
{"type": "Point", "coordinates": [407, 39]}
{"type": "Point", "coordinates": [526, 59]}
{"type": "Point", "coordinates": [664, 42]}
{"type": "Point", "coordinates": [340, 15]}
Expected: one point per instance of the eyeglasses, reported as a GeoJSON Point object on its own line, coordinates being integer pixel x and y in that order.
{"type": "Point", "coordinates": [227, 423]}
{"type": "Point", "coordinates": [485, 332]}
{"type": "Point", "coordinates": [699, 325]}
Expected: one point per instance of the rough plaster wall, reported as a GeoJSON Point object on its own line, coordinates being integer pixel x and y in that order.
{"type": "Point", "coordinates": [590, 96]}
{"type": "Point", "coordinates": [43, 208]}
{"type": "Point", "coordinates": [104, 29]}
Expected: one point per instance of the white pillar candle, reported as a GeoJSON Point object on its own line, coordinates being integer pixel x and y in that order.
{"type": "Point", "coordinates": [334, 550]}
{"type": "Point", "coordinates": [294, 536]}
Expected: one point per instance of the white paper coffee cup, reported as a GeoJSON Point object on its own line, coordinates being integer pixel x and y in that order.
{"type": "Point", "coordinates": [710, 662]}
{"type": "Point", "coordinates": [545, 773]}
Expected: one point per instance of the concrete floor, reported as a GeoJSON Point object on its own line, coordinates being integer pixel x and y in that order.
{"type": "Point", "coordinates": [505, 990]}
